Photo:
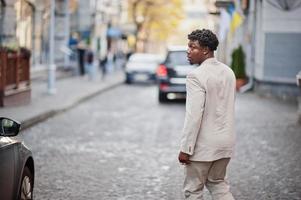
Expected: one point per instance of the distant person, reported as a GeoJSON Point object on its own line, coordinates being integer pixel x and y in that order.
{"type": "Point", "coordinates": [128, 55]}
{"type": "Point", "coordinates": [73, 42]}
{"type": "Point", "coordinates": [110, 64]}
{"type": "Point", "coordinates": [90, 65]}
{"type": "Point", "coordinates": [81, 50]}
{"type": "Point", "coordinates": [208, 134]}
{"type": "Point", "coordinates": [103, 66]}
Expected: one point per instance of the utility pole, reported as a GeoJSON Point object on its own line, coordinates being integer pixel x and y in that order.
{"type": "Point", "coordinates": [67, 33]}
{"type": "Point", "coordinates": [51, 64]}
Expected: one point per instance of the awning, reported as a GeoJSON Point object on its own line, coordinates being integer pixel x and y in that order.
{"type": "Point", "coordinates": [223, 3]}
{"type": "Point", "coordinates": [114, 32]}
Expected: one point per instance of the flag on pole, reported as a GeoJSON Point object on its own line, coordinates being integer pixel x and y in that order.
{"type": "Point", "coordinates": [225, 20]}
{"type": "Point", "coordinates": [236, 21]}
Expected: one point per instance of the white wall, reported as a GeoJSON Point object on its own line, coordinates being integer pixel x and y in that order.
{"type": "Point", "coordinates": [272, 20]}
{"type": "Point", "coordinates": [276, 20]}
{"type": "Point", "coordinates": [84, 15]}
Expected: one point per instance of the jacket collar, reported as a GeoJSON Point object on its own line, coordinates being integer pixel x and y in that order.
{"type": "Point", "coordinates": [209, 61]}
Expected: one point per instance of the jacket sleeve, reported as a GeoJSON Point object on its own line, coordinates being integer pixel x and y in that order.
{"type": "Point", "coordinates": [195, 103]}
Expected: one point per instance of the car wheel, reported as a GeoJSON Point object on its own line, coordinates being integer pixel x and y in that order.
{"type": "Point", "coordinates": [128, 79]}
{"type": "Point", "coordinates": [162, 97]}
{"type": "Point", "coordinates": [26, 185]}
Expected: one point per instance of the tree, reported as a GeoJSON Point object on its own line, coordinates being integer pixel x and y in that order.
{"type": "Point", "coordinates": [238, 63]}
{"type": "Point", "coordinates": [154, 19]}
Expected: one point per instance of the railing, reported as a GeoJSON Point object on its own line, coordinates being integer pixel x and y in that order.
{"type": "Point", "coordinates": [14, 77]}
{"type": "Point", "coordinates": [298, 77]}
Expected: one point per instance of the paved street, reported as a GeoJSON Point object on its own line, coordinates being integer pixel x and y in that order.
{"type": "Point", "coordinates": [123, 145]}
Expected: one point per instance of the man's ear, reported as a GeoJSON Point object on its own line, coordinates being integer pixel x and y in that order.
{"type": "Point", "coordinates": [206, 50]}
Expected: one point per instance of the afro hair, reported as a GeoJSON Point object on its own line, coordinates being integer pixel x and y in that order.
{"type": "Point", "coordinates": [205, 37]}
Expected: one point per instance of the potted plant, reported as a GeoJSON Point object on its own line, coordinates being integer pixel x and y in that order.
{"type": "Point", "coordinates": [238, 66]}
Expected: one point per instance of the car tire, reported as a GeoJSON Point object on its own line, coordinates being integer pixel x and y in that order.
{"type": "Point", "coordinates": [128, 79]}
{"type": "Point", "coordinates": [26, 188]}
{"type": "Point", "coordinates": [162, 97]}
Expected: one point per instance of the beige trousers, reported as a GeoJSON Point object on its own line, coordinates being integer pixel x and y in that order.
{"type": "Point", "coordinates": [209, 174]}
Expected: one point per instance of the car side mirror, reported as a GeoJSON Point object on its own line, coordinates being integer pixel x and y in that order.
{"type": "Point", "coordinates": [9, 127]}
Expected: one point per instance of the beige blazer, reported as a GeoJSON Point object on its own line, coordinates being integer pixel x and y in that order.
{"type": "Point", "coordinates": [209, 132]}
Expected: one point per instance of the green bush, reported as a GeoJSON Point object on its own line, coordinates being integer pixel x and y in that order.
{"type": "Point", "coordinates": [238, 63]}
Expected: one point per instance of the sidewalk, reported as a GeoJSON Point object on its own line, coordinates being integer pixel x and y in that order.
{"type": "Point", "coordinates": [41, 73]}
{"type": "Point", "coordinates": [70, 92]}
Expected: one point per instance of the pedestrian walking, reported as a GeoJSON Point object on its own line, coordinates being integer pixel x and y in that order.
{"type": "Point", "coordinates": [208, 135]}
{"type": "Point", "coordinates": [110, 64]}
{"type": "Point", "coordinates": [103, 67]}
{"type": "Point", "coordinates": [90, 65]}
{"type": "Point", "coordinates": [81, 51]}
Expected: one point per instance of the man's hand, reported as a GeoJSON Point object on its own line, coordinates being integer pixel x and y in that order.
{"type": "Point", "coordinates": [184, 158]}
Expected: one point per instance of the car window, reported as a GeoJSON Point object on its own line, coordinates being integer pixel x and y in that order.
{"type": "Point", "coordinates": [177, 58]}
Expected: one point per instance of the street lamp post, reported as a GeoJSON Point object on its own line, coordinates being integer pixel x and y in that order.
{"type": "Point", "coordinates": [51, 65]}
{"type": "Point", "coordinates": [67, 32]}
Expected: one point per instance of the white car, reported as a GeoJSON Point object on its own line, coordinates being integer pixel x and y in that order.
{"type": "Point", "coordinates": [142, 67]}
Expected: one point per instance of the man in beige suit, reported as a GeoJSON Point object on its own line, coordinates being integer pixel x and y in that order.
{"type": "Point", "coordinates": [208, 134]}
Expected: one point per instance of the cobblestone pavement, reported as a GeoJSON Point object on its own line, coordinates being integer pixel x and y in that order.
{"type": "Point", "coordinates": [123, 145]}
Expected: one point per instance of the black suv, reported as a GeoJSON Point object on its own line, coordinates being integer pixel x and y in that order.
{"type": "Point", "coordinates": [171, 74]}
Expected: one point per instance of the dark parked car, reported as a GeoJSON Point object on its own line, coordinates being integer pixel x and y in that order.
{"type": "Point", "coordinates": [16, 164]}
{"type": "Point", "coordinates": [171, 74]}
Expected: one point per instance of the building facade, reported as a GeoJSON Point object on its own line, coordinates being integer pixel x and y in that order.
{"type": "Point", "coordinates": [270, 34]}
{"type": "Point", "coordinates": [26, 23]}
{"type": "Point", "coordinates": [278, 48]}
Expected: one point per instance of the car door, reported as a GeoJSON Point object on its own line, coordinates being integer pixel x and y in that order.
{"type": "Point", "coordinates": [7, 167]}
